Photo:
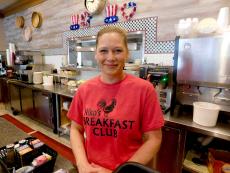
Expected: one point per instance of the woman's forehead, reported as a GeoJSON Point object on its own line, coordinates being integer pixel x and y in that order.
{"type": "Point", "coordinates": [108, 37]}
{"type": "Point", "coordinates": [110, 34]}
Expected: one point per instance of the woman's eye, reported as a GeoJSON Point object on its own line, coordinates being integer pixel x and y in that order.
{"type": "Point", "coordinates": [118, 50]}
{"type": "Point", "coordinates": [103, 51]}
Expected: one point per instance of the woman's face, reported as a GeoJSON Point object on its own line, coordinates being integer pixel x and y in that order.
{"type": "Point", "coordinates": [111, 54]}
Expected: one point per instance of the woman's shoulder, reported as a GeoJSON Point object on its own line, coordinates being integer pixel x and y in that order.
{"type": "Point", "coordinates": [138, 81]}
{"type": "Point", "coordinates": [90, 82]}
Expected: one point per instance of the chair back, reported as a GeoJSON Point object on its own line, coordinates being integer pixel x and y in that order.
{"type": "Point", "coordinates": [133, 167]}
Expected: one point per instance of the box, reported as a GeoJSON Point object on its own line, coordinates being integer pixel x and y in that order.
{"type": "Point", "coordinates": [25, 158]}
{"type": "Point", "coordinates": [217, 159]}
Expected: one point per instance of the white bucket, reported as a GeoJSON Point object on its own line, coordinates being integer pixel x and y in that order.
{"type": "Point", "coordinates": [205, 113]}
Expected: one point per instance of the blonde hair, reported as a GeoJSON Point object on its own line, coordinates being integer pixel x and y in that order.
{"type": "Point", "coordinates": [116, 29]}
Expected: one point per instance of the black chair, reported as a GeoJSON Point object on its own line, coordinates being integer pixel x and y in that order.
{"type": "Point", "coordinates": [133, 167]}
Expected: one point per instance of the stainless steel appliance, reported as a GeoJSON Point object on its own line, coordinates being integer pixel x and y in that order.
{"type": "Point", "coordinates": [202, 70]}
{"type": "Point", "coordinates": [2, 63]}
{"type": "Point", "coordinates": [24, 64]}
{"type": "Point", "coordinates": [27, 62]}
{"type": "Point", "coordinates": [161, 78]}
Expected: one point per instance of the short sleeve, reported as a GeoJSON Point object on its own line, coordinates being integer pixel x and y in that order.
{"type": "Point", "coordinates": [152, 116]}
{"type": "Point", "coordinates": [75, 112]}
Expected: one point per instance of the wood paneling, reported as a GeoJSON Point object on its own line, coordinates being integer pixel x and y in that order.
{"type": "Point", "coordinates": [56, 19]}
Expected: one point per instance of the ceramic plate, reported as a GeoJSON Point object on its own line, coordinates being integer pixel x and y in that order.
{"type": "Point", "coordinates": [27, 33]}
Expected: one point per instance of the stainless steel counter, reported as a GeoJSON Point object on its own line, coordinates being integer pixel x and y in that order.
{"type": "Point", "coordinates": [221, 130]}
{"type": "Point", "coordinates": [183, 121]}
{"type": "Point", "coordinates": [57, 88]}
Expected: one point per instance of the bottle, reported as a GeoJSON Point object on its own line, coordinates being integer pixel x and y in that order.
{"type": "Point", "coordinates": [10, 156]}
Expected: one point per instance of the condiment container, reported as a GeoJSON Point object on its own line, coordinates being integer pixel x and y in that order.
{"type": "Point", "coordinates": [10, 155]}
{"type": "Point", "coordinates": [205, 113]}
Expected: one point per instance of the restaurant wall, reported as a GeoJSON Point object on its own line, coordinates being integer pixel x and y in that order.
{"type": "Point", "coordinates": [2, 37]}
{"type": "Point", "coordinates": [56, 16]}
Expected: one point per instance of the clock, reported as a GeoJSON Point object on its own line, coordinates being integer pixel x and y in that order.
{"type": "Point", "coordinates": [95, 6]}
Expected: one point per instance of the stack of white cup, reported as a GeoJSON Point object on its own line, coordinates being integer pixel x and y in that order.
{"type": "Point", "coordinates": [223, 18]}
{"type": "Point", "coordinates": [37, 77]}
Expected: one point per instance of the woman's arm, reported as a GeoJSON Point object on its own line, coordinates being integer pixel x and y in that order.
{"type": "Point", "coordinates": [77, 145]}
{"type": "Point", "coordinates": [150, 147]}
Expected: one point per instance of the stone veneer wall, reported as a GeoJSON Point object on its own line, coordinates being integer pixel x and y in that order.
{"type": "Point", "coordinates": [56, 20]}
{"type": "Point", "coordinates": [3, 44]}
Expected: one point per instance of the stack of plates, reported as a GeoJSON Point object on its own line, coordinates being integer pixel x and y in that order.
{"type": "Point", "coordinates": [27, 33]}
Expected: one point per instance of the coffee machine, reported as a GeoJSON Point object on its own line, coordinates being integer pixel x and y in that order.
{"type": "Point", "coordinates": [201, 71]}
{"type": "Point", "coordinates": [25, 63]}
{"type": "Point", "coordinates": [2, 63]}
{"type": "Point", "coordinates": [161, 78]}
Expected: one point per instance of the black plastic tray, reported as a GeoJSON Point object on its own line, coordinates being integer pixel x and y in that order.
{"type": "Point", "coordinates": [27, 159]}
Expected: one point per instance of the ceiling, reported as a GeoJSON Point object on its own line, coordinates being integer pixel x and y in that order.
{"type": "Point", "coordinates": [9, 7]}
{"type": "Point", "coordinates": [6, 3]}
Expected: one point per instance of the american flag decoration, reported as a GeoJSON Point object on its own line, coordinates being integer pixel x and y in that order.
{"type": "Point", "coordinates": [74, 22]}
{"type": "Point", "coordinates": [125, 6]}
{"type": "Point", "coordinates": [111, 13]}
{"type": "Point", "coordinates": [85, 19]}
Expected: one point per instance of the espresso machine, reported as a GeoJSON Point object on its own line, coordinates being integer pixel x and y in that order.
{"type": "Point", "coordinates": [161, 78]}
{"type": "Point", "coordinates": [25, 63]}
{"type": "Point", "coordinates": [2, 63]}
{"type": "Point", "coordinates": [202, 71]}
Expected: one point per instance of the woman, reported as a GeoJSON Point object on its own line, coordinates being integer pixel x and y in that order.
{"type": "Point", "coordinates": [118, 113]}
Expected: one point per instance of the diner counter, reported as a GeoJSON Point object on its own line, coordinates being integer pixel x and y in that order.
{"type": "Point", "coordinates": [185, 121]}
{"type": "Point", "coordinates": [56, 88]}
{"type": "Point", "coordinates": [177, 120]}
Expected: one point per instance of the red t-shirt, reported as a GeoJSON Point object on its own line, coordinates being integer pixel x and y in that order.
{"type": "Point", "coordinates": [114, 117]}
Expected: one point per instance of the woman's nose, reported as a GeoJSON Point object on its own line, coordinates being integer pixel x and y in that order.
{"type": "Point", "coordinates": [111, 55]}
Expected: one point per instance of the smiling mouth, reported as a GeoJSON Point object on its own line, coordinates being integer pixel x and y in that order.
{"type": "Point", "coordinates": [111, 65]}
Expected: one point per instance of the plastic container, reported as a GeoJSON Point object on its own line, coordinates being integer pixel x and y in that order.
{"type": "Point", "coordinates": [47, 80]}
{"type": "Point", "coordinates": [37, 77]}
{"type": "Point", "coordinates": [205, 113]}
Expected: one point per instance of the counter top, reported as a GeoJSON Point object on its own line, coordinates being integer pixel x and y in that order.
{"type": "Point", "coordinates": [221, 130]}
{"type": "Point", "coordinates": [183, 121]}
{"type": "Point", "coordinates": [57, 88]}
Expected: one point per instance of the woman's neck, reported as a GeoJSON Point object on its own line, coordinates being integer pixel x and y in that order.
{"type": "Point", "coordinates": [112, 79]}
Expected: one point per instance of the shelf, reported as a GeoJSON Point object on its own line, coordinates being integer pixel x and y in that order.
{"type": "Point", "coordinates": [190, 166]}
{"type": "Point", "coordinates": [185, 121]}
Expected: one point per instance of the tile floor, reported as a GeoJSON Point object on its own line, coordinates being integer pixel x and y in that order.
{"type": "Point", "coordinates": [36, 126]}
